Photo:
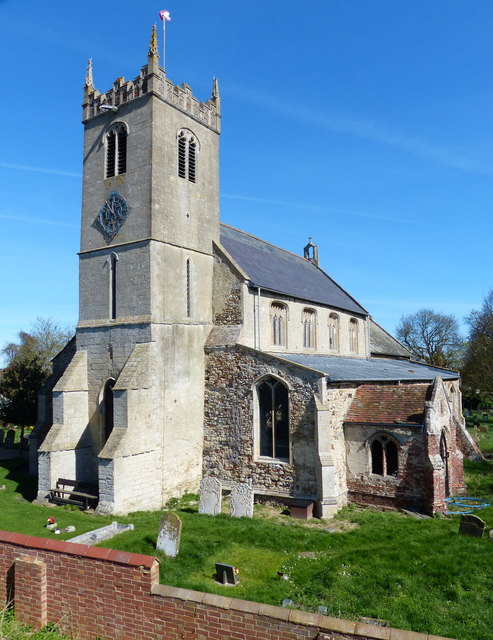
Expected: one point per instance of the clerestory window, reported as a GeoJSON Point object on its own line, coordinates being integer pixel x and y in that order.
{"type": "Point", "coordinates": [187, 155]}
{"type": "Point", "coordinates": [273, 417]}
{"type": "Point", "coordinates": [116, 150]}
{"type": "Point", "coordinates": [353, 335]}
{"type": "Point", "coordinates": [384, 456]}
{"type": "Point", "coordinates": [308, 322]}
{"type": "Point", "coordinates": [278, 323]}
{"type": "Point", "coordinates": [333, 326]}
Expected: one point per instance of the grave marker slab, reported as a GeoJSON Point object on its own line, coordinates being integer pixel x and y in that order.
{"type": "Point", "coordinates": [226, 574]}
{"type": "Point", "coordinates": [471, 525]}
{"type": "Point", "coordinates": [168, 540]}
{"type": "Point", "coordinates": [9, 439]}
{"type": "Point", "coordinates": [210, 496]}
{"type": "Point", "coordinates": [242, 501]}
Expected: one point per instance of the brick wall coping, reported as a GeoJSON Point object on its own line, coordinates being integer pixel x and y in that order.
{"type": "Point", "coordinates": [75, 549]}
{"type": "Point", "coordinates": [293, 616]}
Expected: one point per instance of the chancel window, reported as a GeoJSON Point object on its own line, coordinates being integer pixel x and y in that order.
{"type": "Point", "coordinates": [333, 326]}
{"type": "Point", "coordinates": [308, 322]}
{"type": "Point", "coordinates": [278, 322]}
{"type": "Point", "coordinates": [384, 456]}
{"type": "Point", "coordinates": [353, 335]}
{"type": "Point", "coordinates": [187, 155]}
{"type": "Point", "coordinates": [116, 150]}
{"type": "Point", "coordinates": [273, 417]}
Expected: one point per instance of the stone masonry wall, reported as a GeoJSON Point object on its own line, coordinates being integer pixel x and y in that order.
{"type": "Point", "coordinates": [229, 438]}
{"type": "Point", "coordinates": [95, 593]}
{"type": "Point", "coordinates": [226, 300]}
{"type": "Point", "coordinates": [408, 488]}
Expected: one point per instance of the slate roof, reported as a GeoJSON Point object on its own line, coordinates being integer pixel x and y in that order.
{"type": "Point", "coordinates": [389, 404]}
{"type": "Point", "coordinates": [283, 272]}
{"type": "Point", "coordinates": [383, 344]}
{"type": "Point", "coordinates": [368, 369]}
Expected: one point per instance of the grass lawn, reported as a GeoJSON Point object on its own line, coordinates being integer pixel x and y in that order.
{"type": "Point", "coordinates": [415, 574]}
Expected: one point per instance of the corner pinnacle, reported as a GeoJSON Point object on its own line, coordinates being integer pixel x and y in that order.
{"type": "Point", "coordinates": [89, 84]}
{"type": "Point", "coordinates": [153, 48]}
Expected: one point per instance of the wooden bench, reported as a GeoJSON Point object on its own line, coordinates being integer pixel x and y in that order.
{"type": "Point", "coordinates": [81, 494]}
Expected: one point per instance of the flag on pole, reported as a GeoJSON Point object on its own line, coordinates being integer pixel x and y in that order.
{"type": "Point", "coordinates": [164, 15]}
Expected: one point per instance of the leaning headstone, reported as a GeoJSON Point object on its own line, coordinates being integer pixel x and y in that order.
{"type": "Point", "coordinates": [210, 496]}
{"type": "Point", "coordinates": [242, 501]}
{"type": "Point", "coordinates": [226, 573]}
{"type": "Point", "coordinates": [9, 439]}
{"type": "Point", "coordinates": [168, 539]}
{"type": "Point", "coordinates": [471, 525]}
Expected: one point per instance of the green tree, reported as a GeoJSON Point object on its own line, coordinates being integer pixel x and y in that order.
{"type": "Point", "coordinates": [28, 366]}
{"type": "Point", "coordinates": [478, 362]}
{"type": "Point", "coordinates": [432, 337]}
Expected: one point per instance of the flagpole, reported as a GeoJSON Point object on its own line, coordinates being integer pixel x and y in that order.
{"type": "Point", "coordinates": [164, 15]}
{"type": "Point", "coordinates": [164, 46]}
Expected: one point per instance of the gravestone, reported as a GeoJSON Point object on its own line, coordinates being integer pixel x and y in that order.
{"type": "Point", "coordinates": [168, 539]}
{"type": "Point", "coordinates": [483, 428]}
{"type": "Point", "coordinates": [471, 525]}
{"type": "Point", "coordinates": [485, 416]}
{"type": "Point", "coordinates": [226, 573]}
{"type": "Point", "coordinates": [210, 496]}
{"type": "Point", "coordinates": [9, 439]}
{"type": "Point", "coordinates": [466, 413]}
{"type": "Point", "coordinates": [2, 434]}
{"type": "Point", "coordinates": [242, 501]}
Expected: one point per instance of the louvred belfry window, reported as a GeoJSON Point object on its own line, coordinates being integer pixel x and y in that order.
{"type": "Point", "coordinates": [116, 150]}
{"type": "Point", "coordinates": [187, 156]}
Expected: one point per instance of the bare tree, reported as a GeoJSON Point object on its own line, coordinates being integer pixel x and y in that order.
{"type": "Point", "coordinates": [432, 337]}
{"type": "Point", "coordinates": [478, 361]}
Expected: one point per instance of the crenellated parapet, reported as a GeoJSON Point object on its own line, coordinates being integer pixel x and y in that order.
{"type": "Point", "coordinates": [152, 79]}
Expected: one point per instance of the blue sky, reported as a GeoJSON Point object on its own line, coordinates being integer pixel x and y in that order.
{"type": "Point", "coordinates": [367, 125]}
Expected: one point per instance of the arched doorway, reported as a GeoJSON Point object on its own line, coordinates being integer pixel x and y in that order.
{"type": "Point", "coordinates": [444, 457]}
{"type": "Point", "coordinates": [108, 409]}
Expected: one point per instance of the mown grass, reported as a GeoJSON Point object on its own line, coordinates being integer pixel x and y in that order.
{"type": "Point", "coordinates": [414, 574]}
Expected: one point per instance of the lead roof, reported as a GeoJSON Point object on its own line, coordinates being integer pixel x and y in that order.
{"type": "Point", "coordinates": [339, 369]}
{"type": "Point", "coordinates": [280, 271]}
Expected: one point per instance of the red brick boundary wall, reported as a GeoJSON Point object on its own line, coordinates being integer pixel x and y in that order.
{"type": "Point", "coordinates": [113, 595]}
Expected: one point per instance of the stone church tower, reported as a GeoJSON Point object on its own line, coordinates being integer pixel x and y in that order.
{"type": "Point", "coordinates": [128, 409]}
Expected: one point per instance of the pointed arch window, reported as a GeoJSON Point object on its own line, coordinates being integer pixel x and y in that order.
{"type": "Point", "coordinates": [384, 455]}
{"type": "Point", "coordinates": [308, 322]}
{"type": "Point", "coordinates": [353, 335]}
{"type": "Point", "coordinates": [278, 315]}
{"type": "Point", "coordinates": [113, 261]}
{"type": "Point", "coordinates": [333, 326]}
{"type": "Point", "coordinates": [108, 409]}
{"type": "Point", "coordinates": [273, 417]}
{"type": "Point", "coordinates": [116, 150]}
{"type": "Point", "coordinates": [187, 155]}
{"type": "Point", "coordinates": [188, 287]}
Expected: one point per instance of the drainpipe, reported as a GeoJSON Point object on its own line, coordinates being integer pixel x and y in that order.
{"type": "Point", "coordinates": [258, 318]}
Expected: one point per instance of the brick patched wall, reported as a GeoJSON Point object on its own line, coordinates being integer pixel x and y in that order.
{"type": "Point", "coordinates": [91, 592]}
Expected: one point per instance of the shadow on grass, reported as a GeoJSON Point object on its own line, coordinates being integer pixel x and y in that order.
{"type": "Point", "coordinates": [18, 472]}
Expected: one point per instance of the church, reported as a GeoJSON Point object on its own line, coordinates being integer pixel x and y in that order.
{"type": "Point", "coordinates": [202, 351]}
